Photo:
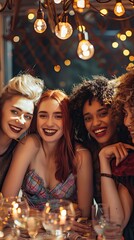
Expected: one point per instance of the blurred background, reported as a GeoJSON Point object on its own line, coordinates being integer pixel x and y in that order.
{"type": "Point", "coordinates": [56, 61]}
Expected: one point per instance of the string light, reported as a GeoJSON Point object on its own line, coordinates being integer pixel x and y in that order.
{"type": "Point", "coordinates": [40, 25]}
{"type": "Point", "coordinates": [119, 9]}
{"type": "Point", "coordinates": [85, 49]}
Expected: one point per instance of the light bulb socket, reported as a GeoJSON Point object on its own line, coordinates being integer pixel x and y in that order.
{"type": "Point", "coordinates": [83, 36]}
{"type": "Point", "coordinates": [40, 14]}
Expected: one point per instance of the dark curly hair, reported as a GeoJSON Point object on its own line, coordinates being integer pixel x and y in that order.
{"type": "Point", "coordinates": [124, 92]}
{"type": "Point", "coordinates": [100, 88]}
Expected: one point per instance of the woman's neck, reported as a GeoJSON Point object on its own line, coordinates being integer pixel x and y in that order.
{"type": "Point", "coordinates": [49, 149]}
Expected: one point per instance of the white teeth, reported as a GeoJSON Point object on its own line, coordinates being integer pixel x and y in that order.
{"type": "Point", "coordinates": [16, 128]}
{"type": "Point", "coordinates": [50, 131]}
{"type": "Point", "coordinates": [99, 130]}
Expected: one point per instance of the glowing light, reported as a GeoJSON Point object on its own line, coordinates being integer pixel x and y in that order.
{"type": "Point", "coordinates": [115, 44]}
{"type": "Point", "coordinates": [123, 37]}
{"type": "Point", "coordinates": [119, 9]}
{"type": "Point", "coordinates": [128, 33]}
{"type": "Point", "coordinates": [126, 52]}
{"type": "Point", "coordinates": [63, 30]}
{"type": "Point", "coordinates": [67, 62]}
{"type": "Point", "coordinates": [16, 39]}
{"type": "Point", "coordinates": [31, 16]}
{"type": "Point", "coordinates": [57, 68]}
{"type": "Point", "coordinates": [104, 11]}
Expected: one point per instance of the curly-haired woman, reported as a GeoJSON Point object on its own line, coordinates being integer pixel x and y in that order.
{"type": "Point", "coordinates": [117, 161]}
{"type": "Point", "coordinates": [93, 123]}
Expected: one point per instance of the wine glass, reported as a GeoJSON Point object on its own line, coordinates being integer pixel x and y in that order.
{"type": "Point", "coordinates": [58, 216]}
{"type": "Point", "coordinates": [100, 217]}
{"type": "Point", "coordinates": [8, 213]}
{"type": "Point", "coordinates": [34, 222]}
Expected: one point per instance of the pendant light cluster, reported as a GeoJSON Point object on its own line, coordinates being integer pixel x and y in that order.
{"type": "Point", "coordinates": [62, 28]}
{"type": "Point", "coordinates": [60, 24]}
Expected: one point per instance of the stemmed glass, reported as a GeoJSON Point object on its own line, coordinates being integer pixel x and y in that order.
{"type": "Point", "coordinates": [13, 213]}
{"type": "Point", "coordinates": [34, 223]}
{"type": "Point", "coordinates": [58, 216]}
{"type": "Point", "coordinates": [100, 217]}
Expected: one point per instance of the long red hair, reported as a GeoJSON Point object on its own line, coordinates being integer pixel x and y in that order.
{"type": "Point", "coordinates": [64, 154]}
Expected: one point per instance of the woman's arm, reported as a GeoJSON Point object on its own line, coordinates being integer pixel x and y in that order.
{"type": "Point", "coordinates": [118, 198]}
{"type": "Point", "coordinates": [84, 181]}
{"type": "Point", "coordinates": [24, 153]}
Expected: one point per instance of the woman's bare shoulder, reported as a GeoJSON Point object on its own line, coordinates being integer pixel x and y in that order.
{"type": "Point", "coordinates": [31, 141]}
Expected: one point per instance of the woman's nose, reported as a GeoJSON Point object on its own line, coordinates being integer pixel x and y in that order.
{"type": "Point", "coordinates": [49, 121]}
{"type": "Point", "coordinates": [96, 121]}
{"type": "Point", "coordinates": [21, 119]}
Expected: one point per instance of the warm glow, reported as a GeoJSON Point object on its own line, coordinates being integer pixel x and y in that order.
{"type": "Point", "coordinates": [16, 39]}
{"type": "Point", "coordinates": [81, 28]}
{"type": "Point", "coordinates": [40, 25]}
{"type": "Point", "coordinates": [85, 50]}
{"type": "Point", "coordinates": [131, 58]}
{"type": "Point", "coordinates": [81, 5]}
{"type": "Point", "coordinates": [122, 37]}
{"type": "Point", "coordinates": [67, 62]}
{"type": "Point", "coordinates": [126, 52]}
{"type": "Point", "coordinates": [57, 68]}
{"type": "Point", "coordinates": [130, 66]}
{"type": "Point", "coordinates": [63, 30]}
{"type": "Point", "coordinates": [57, 1]}
{"type": "Point", "coordinates": [129, 33]}
{"type": "Point", "coordinates": [31, 16]}
{"type": "Point", "coordinates": [104, 11]}
{"type": "Point", "coordinates": [119, 9]}
{"type": "Point", "coordinates": [115, 44]}
{"type": "Point", "coordinates": [118, 35]}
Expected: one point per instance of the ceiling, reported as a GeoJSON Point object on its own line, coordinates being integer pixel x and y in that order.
{"type": "Point", "coordinates": [39, 53]}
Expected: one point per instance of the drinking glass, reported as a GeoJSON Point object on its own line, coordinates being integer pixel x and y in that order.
{"type": "Point", "coordinates": [112, 231]}
{"type": "Point", "coordinates": [11, 212]}
{"type": "Point", "coordinates": [34, 223]}
{"type": "Point", "coordinates": [19, 211]}
{"type": "Point", "coordinates": [58, 216]}
{"type": "Point", "coordinates": [100, 217]}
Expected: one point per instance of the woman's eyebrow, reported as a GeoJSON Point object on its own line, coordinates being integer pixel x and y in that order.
{"type": "Point", "coordinates": [22, 110]}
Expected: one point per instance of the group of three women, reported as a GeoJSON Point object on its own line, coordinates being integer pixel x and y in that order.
{"type": "Point", "coordinates": [60, 159]}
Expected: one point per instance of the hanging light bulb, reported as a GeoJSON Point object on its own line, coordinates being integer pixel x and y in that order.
{"type": "Point", "coordinates": [119, 9]}
{"type": "Point", "coordinates": [40, 25]}
{"type": "Point", "coordinates": [85, 49]}
{"type": "Point", "coordinates": [81, 5]}
{"type": "Point", "coordinates": [63, 30]}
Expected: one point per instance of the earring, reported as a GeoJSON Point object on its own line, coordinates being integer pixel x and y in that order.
{"type": "Point", "coordinates": [89, 136]}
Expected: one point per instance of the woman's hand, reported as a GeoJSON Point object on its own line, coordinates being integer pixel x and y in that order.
{"type": "Point", "coordinates": [119, 151]}
{"type": "Point", "coordinates": [81, 227]}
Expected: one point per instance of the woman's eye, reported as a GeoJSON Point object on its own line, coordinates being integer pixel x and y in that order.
{"type": "Point", "coordinates": [14, 112]}
{"type": "Point", "coordinates": [87, 119]}
{"type": "Point", "coordinates": [27, 117]}
{"type": "Point", "coordinates": [58, 116]}
{"type": "Point", "coordinates": [42, 116]}
{"type": "Point", "coordinates": [103, 114]}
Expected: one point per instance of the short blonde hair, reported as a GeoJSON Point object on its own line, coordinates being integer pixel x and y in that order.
{"type": "Point", "coordinates": [24, 85]}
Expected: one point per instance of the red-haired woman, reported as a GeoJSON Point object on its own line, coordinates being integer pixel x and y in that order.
{"type": "Point", "coordinates": [46, 166]}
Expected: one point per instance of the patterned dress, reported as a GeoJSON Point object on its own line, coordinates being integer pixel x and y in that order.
{"type": "Point", "coordinates": [37, 195]}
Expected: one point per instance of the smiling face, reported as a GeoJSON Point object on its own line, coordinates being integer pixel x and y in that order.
{"type": "Point", "coordinates": [98, 122]}
{"type": "Point", "coordinates": [129, 120]}
{"type": "Point", "coordinates": [17, 113]}
{"type": "Point", "coordinates": [49, 120]}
